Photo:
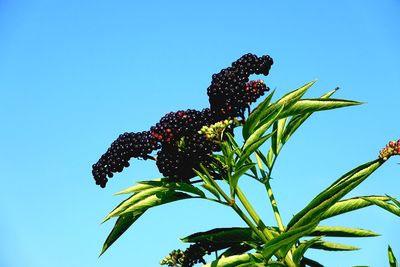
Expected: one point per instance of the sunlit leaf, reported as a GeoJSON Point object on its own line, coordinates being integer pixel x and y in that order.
{"type": "Point", "coordinates": [177, 186]}
{"type": "Point", "coordinates": [302, 248]}
{"type": "Point", "coordinates": [331, 246]}
{"type": "Point", "coordinates": [212, 190]}
{"type": "Point", "coordinates": [340, 231]}
{"type": "Point", "coordinates": [233, 234]}
{"type": "Point", "coordinates": [392, 258]}
{"type": "Point", "coordinates": [327, 198]}
{"type": "Point", "coordinates": [350, 204]}
{"type": "Point", "coordinates": [138, 187]}
{"type": "Point", "coordinates": [286, 240]}
{"type": "Point", "coordinates": [385, 205]}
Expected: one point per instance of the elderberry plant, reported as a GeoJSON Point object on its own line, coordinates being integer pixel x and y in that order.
{"type": "Point", "coordinates": [191, 143]}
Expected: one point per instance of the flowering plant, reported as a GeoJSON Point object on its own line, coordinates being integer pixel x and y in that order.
{"type": "Point", "coordinates": [202, 144]}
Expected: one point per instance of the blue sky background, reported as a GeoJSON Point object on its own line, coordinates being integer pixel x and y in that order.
{"type": "Point", "coordinates": [76, 74]}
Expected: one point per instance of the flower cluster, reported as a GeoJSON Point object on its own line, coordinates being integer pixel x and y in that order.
{"type": "Point", "coordinates": [181, 147]}
{"type": "Point", "coordinates": [392, 148]}
{"type": "Point", "coordinates": [215, 131]}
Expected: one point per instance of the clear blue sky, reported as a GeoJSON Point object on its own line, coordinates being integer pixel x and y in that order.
{"type": "Point", "coordinates": [76, 74]}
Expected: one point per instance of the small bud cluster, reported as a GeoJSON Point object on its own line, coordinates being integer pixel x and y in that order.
{"type": "Point", "coordinates": [229, 93]}
{"type": "Point", "coordinates": [392, 148]}
{"type": "Point", "coordinates": [181, 146]}
{"type": "Point", "coordinates": [188, 258]}
{"type": "Point", "coordinates": [215, 131]}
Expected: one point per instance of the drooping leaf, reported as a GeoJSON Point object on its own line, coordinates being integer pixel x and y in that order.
{"type": "Point", "coordinates": [332, 246]}
{"type": "Point", "coordinates": [340, 231]}
{"type": "Point", "coordinates": [122, 224]}
{"type": "Point", "coordinates": [392, 258]}
{"type": "Point", "coordinates": [350, 204]}
{"type": "Point", "coordinates": [302, 248]}
{"type": "Point", "coordinates": [236, 260]}
{"type": "Point", "coordinates": [327, 198]}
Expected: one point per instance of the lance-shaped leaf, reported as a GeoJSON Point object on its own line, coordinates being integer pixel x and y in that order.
{"type": "Point", "coordinates": [296, 121]}
{"type": "Point", "coordinates": [304, 106]}
{"type": "Point", "coordinates": [237, 260]}
{"type": "Point", "coordinates": [212, 190]}
{"type": "Point", "coordinates": [255, 115]}
{"type": "Point", "coordinates": [232, 234]}
{"type": "Point", "coordinates": [351, 204]}
{"type": "Point", "coordinates": [340, 231]}
{"type": "Point", "coordinates": [392, 258]}
{"type": "Point", "coordinates": [121, 225]}
{"type": "Point", "coordinates": [259, 131]}
{"type": "Point", "coordinates": [176, 186]}
{"type": "Point", "coordinates": [302, 248]}
{"type": "Point", "coordinates": [385, 205]}
{"type": "Point", "coordinates": [251, 148]}
{"type": "Point", "coordinates": [135, 198]}
{"type": "Point", "coordinates": [332, 246]}
{"type": "Point", "coordinates": [138, 187]}
{"type": "Point", "coordinates": [128, 216]}
{"type": "Point", "coordinates": [157, 199]}
{"type": "Point", "coordinates": [263, 111]}
{"type": "Point", "coordinates": [276, 139]}
{"type": "Point", "coordinates": [327, 198]}
{"type": "Point", "coordinates": [284, 241]}
{"type": "Point", "coordinates": [237, 249]}
{"type": "Point", "coordinates": [234, 179]}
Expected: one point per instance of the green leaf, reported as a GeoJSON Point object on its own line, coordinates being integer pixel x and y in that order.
{"type": "Point", "coordinates": [350, 204]}
{"type": "Point", "coordinates": [121, 225]}
{"type": "Point", "coordinates": [340, 231]}
{"type": "Point", "coordinates": [395, 201]}
{"type": "Point", "coordinates": [256, 115]}
{"type": "Point", "coordinates": [237, 174]}
{"type": "Point", "coordinates": [304, 106]}
{"type": "Point", "coordinates": [386, 206]}
{"type": "Point", "coordinates": [327, 198]}
{"type": "Point", "coordinates": [236, 260]}
{"type": "Point", "coordinates": [263, 127]}
{"type": "Point", "coordinates": [251, 148]}
{"type": "Point", "coordinates": [296, 121]}
{"type": "Point", "coordinates": [157, 199]}
{"type": "Point", "coordinates": [286, 240]}
{"type": "Point", "coordinates": [212, 190]}
{"type": "Point", "coordinates": [392, 258]}
{"type": "Point", "coordinates": [132, 200]}
{"type": "Point", "coordinates": [138, 187]}
{"type": "Point", "coordinates": [232, 234]}
{"type": "Point", "coordinates": [279, 127]}
{"type": "Point", "coordinates": [236, 249]}
{"type": "Point", "coordinates": [265, 111]}
{"type": "Point", "coordinates": [177, 186]}
{"type": "Point", "coordinates": [302, 248]}
{"type": "Point", "coordinates": [331, 246]}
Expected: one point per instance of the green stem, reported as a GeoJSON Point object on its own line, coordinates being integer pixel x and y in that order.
{"type": "Point", "coordinates": [274, 206]}
{"type": "Point", "coordinates": [237, 209]}
{"type": "Point", "coordinates": [253, 214]}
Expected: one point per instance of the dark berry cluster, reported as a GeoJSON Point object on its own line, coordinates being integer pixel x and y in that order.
{"type": "Point", "coordinates": [125, 147]}
{"type": "Point", "coordinates": [227, 93]}
{"type": "Point", "coordinates": [182, 148]}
